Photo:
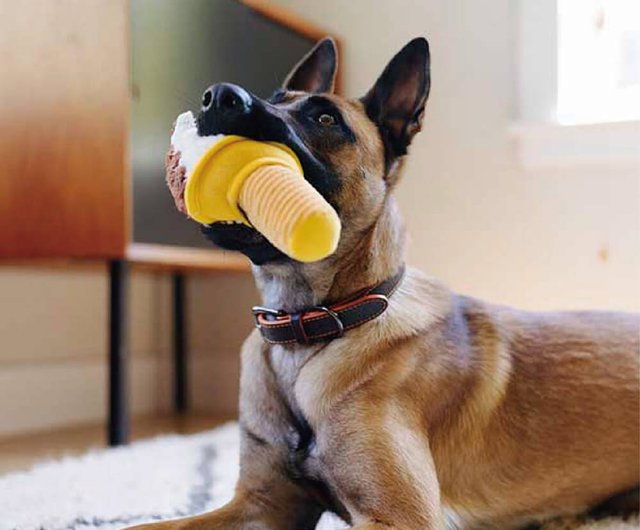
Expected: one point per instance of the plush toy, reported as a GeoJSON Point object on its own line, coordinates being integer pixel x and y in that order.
{"type": "Point", "coordinates": [260, 184]}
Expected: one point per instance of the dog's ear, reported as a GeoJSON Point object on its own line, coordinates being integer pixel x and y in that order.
{"type": "Point", "coordinates": [316, 71]}
{"type": "Point", "coordinates": [397, 100]}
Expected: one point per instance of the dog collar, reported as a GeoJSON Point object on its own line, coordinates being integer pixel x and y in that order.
{"type": "Point", "coordinates": [326, 322]}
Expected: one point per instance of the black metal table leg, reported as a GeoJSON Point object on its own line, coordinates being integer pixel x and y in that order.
{"type": "Point", "coordinates": [118, 421]}
{"type": "Point", "coordinates": [179, 344]}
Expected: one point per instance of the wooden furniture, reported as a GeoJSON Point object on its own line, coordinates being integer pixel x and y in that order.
{"type": "Point", "coordinates": [89, 92]}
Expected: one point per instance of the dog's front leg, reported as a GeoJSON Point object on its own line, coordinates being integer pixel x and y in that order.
{"type": "Point", "coordinates": [265, 499]}
{"type": "Point", "coordinates": [267, 496]}
{"type": "Point", "coordinates": [383, 470]}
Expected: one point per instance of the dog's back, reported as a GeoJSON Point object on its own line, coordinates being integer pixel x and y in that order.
{"type": "Point", "coordinates": [560, 394]}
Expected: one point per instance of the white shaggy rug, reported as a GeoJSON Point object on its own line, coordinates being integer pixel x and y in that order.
{"type": "Point", "coordinates": [109, 489]}
{"type": "Point", "coordinates": [163, 478]}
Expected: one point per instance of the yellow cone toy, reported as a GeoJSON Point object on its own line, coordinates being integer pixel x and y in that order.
{"type": "Point", "coordinates": [261, 184]}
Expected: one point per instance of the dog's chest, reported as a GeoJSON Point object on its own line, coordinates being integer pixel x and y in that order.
{"type": "Point", "coordinates": [286, 364]}
{"type": "Point", "coordinates": [304, 460]}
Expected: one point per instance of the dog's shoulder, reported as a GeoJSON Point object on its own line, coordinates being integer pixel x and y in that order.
{"type": "Point", "coordinates": [417, 307]}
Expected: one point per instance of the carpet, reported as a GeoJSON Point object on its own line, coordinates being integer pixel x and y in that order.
{"type": "Point", "coordinates": [162, 478]}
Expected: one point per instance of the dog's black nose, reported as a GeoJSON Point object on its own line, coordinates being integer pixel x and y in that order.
{"type": "Point", "coordinates": [226, 97]}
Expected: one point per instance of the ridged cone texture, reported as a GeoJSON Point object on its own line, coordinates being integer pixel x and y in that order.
{"type": "Point", "coordinates": [290, 213]}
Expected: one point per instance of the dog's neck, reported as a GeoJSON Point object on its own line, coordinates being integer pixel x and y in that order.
{"type": "Point", "coordinates": [367, 259]}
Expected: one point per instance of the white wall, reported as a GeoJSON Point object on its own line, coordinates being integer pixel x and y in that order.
{"type": "Point", "coordinates": [53, 344]}
{"type": "Point", "coordinates": [540, 240]}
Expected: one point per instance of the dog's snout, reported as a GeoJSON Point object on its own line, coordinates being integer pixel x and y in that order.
{"type": "Point", "coordinates": [226, 97]}
{"type": "Point", "coordinates": [232, 110]}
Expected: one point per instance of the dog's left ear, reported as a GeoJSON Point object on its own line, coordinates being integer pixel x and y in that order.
{"type": "Point", "coordinates": [316, 71]}
{"type": "Point", "coordinates": [397, 100]}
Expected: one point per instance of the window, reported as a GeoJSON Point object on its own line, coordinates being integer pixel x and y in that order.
{"type": "Point", "coordinates": [598, 60]}
{"type": "Point", "coordinates": [578, 79]}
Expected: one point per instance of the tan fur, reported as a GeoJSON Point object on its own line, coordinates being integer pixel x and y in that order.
{"type": "Point", "coordinates": [445, 412]}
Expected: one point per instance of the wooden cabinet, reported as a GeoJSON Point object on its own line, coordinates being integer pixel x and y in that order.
{"type": "Point", "coordinates": [64, 113]}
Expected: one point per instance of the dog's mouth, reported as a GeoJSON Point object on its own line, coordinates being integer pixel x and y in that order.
{"type": "Point", "coordinates": [248, 116]}
{"type": "Point", "coordinates": [244, 239]}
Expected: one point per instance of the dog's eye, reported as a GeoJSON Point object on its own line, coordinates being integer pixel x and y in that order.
{"type": "Point", "coordinates": [326, 119]}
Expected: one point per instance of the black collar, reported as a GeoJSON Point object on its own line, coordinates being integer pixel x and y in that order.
{"type": "Point", "coordinates": [325, 323]}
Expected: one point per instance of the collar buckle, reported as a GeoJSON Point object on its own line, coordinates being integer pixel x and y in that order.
{"type": "Point", "coordinates": [258, 310]}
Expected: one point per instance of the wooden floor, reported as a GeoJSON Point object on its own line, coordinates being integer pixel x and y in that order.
{"type": "Point", "coordinates": [21, 452]}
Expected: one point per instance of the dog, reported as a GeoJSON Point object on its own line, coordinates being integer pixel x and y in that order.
{"type": "Point", "coordinates": [375, 392]}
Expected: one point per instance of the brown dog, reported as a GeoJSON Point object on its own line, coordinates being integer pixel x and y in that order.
{"type": "Point", "coordinates": [433, 410]}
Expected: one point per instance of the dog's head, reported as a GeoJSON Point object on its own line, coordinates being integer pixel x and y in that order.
{"type": "Point", "coordinates": [351, 150]}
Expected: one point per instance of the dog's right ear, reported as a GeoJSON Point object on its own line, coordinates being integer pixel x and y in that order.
{"type": "Point", "coordinates": [397, 100]}
{"type": "Point", "coordinates": [316, 71]}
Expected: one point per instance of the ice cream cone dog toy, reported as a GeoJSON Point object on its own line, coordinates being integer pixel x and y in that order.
{"type": "Point", "coordinates": [260, 184]}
